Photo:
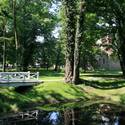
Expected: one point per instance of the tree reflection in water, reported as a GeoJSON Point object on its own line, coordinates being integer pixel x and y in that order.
{"type": "Point", "coordinates": [96, 114]}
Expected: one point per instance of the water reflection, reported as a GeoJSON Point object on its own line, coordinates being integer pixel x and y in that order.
{"type": "Point", "coordinates": [51, 118]}
{"type": "Point", "coordinates": [96, 114]}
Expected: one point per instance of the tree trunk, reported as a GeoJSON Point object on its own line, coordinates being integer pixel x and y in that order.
{"type": "Point", "coordinates": [78, 40]}
{"type": "Point", "coordinates": [67, 117]}
{"type": "Point", "coordinates": [4, 47]}
{"type": "Point", "coordinates": [120, 18]}
{"type": "Point", "coordinates": [25, 61]}
{"type": "Point", "coordinates": [57, 59]}
{"type": "Point", "coordinates": [121, 64]}
{"type": "Point", "coordinates": [121, 33]}
{"type": "Point", "coordinates": [84, 63]}
{"type": "Point", "coordinates": [120, 50]}
{"type": "Point", "coordinates": [27, 56]}
{"type": "Point", "coordinates": [15, 35]}
{"type": "Point", "coordinates": [4, 57]}
{"type": "Point", "coordinates": [73, 116]}
{"type": "Point", "coordinates": [122, 58]}
{"type": "Point", "coordinates": [70, 29]}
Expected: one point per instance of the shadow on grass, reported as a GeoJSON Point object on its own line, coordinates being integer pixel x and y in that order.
{"type": "Point", "coordinates": [105, 85]}
{"type": "Point", "coordinates": [97, 75]}
{"type": "Point", "coordinates": [103, 79]}
{"type": "Point", "coordinates": [23, 89]}
{"type": "Point", "coordinates": [12, 101]}
{"type": "Point", "coordinates": [104, 72]}
{"type": "Point", "coordinates": [51, 96]}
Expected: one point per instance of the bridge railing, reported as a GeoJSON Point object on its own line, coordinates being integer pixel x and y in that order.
{"type": "Point", "coordinates": [18, 76]}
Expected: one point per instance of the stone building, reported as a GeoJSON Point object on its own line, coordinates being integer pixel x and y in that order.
{"type": "Point", "coordinates": [108, 62]}
{"type": "Point", "coordinates": [105, 59]}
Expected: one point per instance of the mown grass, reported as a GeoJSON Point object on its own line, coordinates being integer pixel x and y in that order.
{"type": "Point", "coordinates": [96, 86]}
{"type": "Point", "coordinates": [106, 85]}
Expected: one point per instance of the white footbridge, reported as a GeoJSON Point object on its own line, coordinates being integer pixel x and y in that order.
{"type": "Point", "coordinates": [17, 79]}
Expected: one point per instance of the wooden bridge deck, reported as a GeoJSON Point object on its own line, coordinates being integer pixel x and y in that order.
{"type": "Point", "coordinates": [17, 79]}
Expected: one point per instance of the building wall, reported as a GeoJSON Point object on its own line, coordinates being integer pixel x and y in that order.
{"type": "Point", "coordinates": [108, 62]}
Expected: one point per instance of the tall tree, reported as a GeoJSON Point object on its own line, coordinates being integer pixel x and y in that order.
{"type": "Point", "coordinates": [29, 19]}
{"type": "Point", "coordinates": [32, 21]}
{"type": "Point", "coordinates": [4, 45]}
{"type": "Point", "coordinates": [70, 30]}
{"type": "Point", "coordinates": [4, 16]}
{"type": "Point", "coordinates": [14, 3]}
{"type": "Point", "coordinates": [78, 39]}
{"type": "Point", "coordinates": [119, 12]}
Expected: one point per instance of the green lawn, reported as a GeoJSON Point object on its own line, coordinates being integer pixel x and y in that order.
{"type": "Point", "coordinates": [95, 87]}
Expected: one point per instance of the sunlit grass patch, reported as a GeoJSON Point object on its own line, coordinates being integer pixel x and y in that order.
{"type": "Point", "coordinates": [56, 91]}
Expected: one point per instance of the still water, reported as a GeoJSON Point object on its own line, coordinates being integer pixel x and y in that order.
{"type": "Point", "coordinates": [95, 114]}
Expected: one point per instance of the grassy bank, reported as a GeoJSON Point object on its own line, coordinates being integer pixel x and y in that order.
{"type": "Point", "coordinates": [45, 93]}
{"type": "Point", "coordinates": [96, 86]}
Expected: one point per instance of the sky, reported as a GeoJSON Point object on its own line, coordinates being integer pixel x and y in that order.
{"type": "Point", "coordinates": [54, 9]}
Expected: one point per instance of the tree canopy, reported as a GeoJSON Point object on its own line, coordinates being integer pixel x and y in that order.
{"type": "Point", "coordinates": [55, 33]}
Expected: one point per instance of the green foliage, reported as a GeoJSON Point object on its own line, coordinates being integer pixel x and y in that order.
{"type": "Point", "coordinates": [33, 19]}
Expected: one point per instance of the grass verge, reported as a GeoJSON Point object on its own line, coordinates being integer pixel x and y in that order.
{"type": "Point", "coordinates": [54, 92]}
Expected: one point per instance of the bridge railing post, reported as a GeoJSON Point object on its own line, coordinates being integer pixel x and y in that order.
{"type": "Point", "coordinates": [24, 77]}
{"type": "Point", "coordinates": [37, 75]}
{"type": "Point", "coordinates": [28, 74]}
{"type": "Point", "coordinates": [8, 78]}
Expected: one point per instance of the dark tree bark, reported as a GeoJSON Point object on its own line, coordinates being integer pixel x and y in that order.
{"type": "Point", "coordinates": [57, 59]}
{"type": "Point", "coordinates": [4, 46]}
{"type": "Point", "coordinates": [15, 35]}
{"type": "Point", "coordinates": [78, 40]}
{"type": "Point", "coordinates": [4, 56]}
{"type": "Point", "coordinates": [121, 63]}
{"type": "Point", "coordinates": [122, 57]}
{"type": "Point", "coordinates": [120, 18]}
{"type": "Point", "coordinates": [84, 63]}
{"type": "Point", "coordinates": [67, 117]}
{"type": "Point", "coordinates": [70, 30]}
{"type": "Point", "coordinates": [29, 48]}
{"type": "Point", "coordinates": [121, 32]}
{"type": "Point", "coordinates": [71, 117]}
{"type": "Point", "coordinates": [27, 56]}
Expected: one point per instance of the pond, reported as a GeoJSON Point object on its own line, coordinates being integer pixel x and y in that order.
{"type": "Point", "coordinates": [91, 114]}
